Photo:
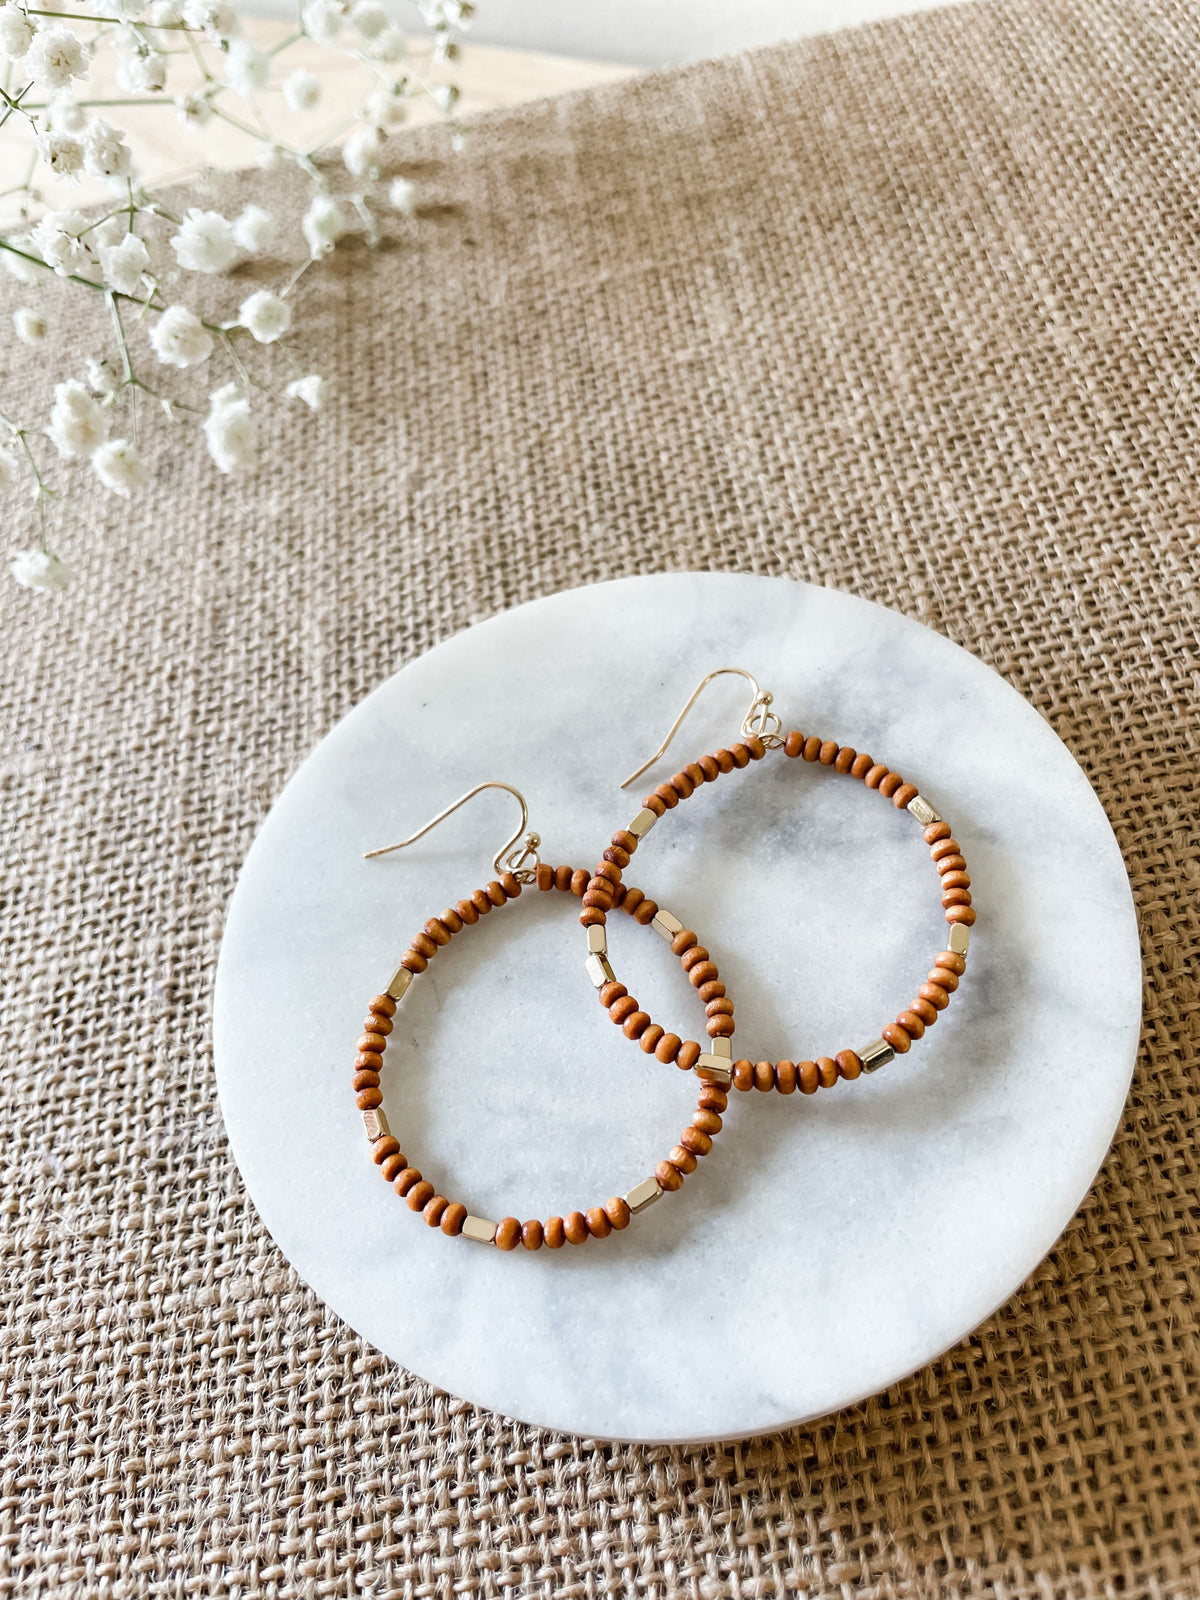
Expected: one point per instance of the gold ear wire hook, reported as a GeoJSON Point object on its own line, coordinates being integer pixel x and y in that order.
{"type": "Point", "coordinates": [759, 719]}
{"type": "Point", "coordinates": [521, 859]}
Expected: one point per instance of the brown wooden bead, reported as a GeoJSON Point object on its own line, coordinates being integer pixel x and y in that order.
{"type": "Point", "coordinates": [935, 994]}
{"type": "Point", "coordinates": [437, 930]}
{"type": "Point", "coordinates": [579, 882]}
{"type": "Point", "coordinates": [435, 1209]}
{"type": "Point", "coordinates": [905, 793]}
{"type": "Point", "coordinates": [956, 897]}
{"type": "Point", "coordinates": [703, 972]}
{"type": "Point", "coordinates": [424, 945]}
{"type": "Point", "coordinates": [692, 956]}
{"type": "Point", "coordinates": [375, 1024]}
{"type": "Point", "coordinates": [617, 857]}
{"type": "Point", "coordinates": [876, 775]}
{"type": "Point", "coordinates": [756, 747]}
{"type": "Point", "coordinates": [935, 831]}
{"type": "Point", "coordinates": [383, 1005]}
{"type": "Point", "coordinates": [827, 754]}
{"type": "Point", "coordinates": [667, 1047]}
{"type": "Point", "coordinates": [845, 759]}
{"type": "Point", "coordinates": [709, 768]}
{"type": "Point", "coordinates": [650, 1037]}
{"type": "Point", "coordinates": [468, 911]}
{"type": "Point", "coordinates": [849, 1064]}
{"type": "Point", "coordinates": [413, 961]}
{"type": "Point", "coordinates": [696, 773]}
{"type": "Point", "coordinates": [554, 1233]}
{"type": "Point", "coordinates": [963, 914]}
{"type": "Point", "coordinates": [764, 1076]}
{"type": "Point", "coordinates": [453, 1218]}
{"type": "Point", "coordinates": [368, 1099]}
{"type": "Point", "coordinates": [631, 900]}
{"type": "Point", "coordinates": [683, 785]}
{"type": "Point", "coordinates": [599, 898]}
{"type": "Point", "coordinates": [592, 916]}
{"type": "Point", "coordinates": [575, 1227]}
{"type": "Point", "coordinates": [793, 745]}
{"type": "Point", "coordinates": [684, 941]}
{"type": "Point", "coordinates": [392, 1166]}
{"type": "Point", "coordinates": [511, 885]}
{"type": "Point", "coordinates": [740, 754]}
{"type": "Point", "coordinates": [418, 1196]}
{"type": "Point", "coordinates": [707, 1121]}
{"type": "Point", "coordinates": [712, 1097]}
{"type": "Point", "coordinates": [895, 1035]}
{"type": "Point", "coordinates": [682, 1160]}
{"type": "Point", "coordinates": [945, 846]}
{"type": "Point", "coordinates": [951, 960]}
{"type": "Point", "coordinates": [668, 795]}
{"type": "Point", "coordinates": [368, 1061]}
{"type": "Point", "coordinates": [598, 1224]}
{"type": "Point", "coordinates": [364, 1080]}
{"type": "Point", "coordinates": [720, 1005]}
{"type": "Point", "coordinates": [562, 878]}
{"type": "Point", "coordinates": [689, 1054]}
{"type": "Point", "coordinates": [607, 876]}
{"type": "Point", "coordinates": [926, 1010]}
{"type": "Point", "coordinates": [669, 1177]}
{"type": "Point", "coordinates": [827, 1072]}
{"type": "Point", "coordinates": [912, 1023]}
{"type": "Point", "coordinates": [371, 1041]}
{"type": "Point", "coordinates": [383, 1148]}
{"type": "Point", "coordinates": [953, 863]}
{"type": "Point", "coordinates": [495, 893]}
{"type": "Point", "coordinates": [890, 785]}
{"type": "Point", "coordinates": [812, 747]}
{"type": "Point", "coordinates": [624, 840]}
{"type": "Point", "coordinates": [785, 1077]}
{"type": "Point", "coordinates": [544, 880]}
{"type": "Point", "coordinates": [655, 803]}
{"type": "Point", "coordinates": [508, 1233]}
{"type": "Point", "coordinates": [610, 992]}
{"type": "Point", "coordinates": [743, 1074]}
{"type": "Point", "coordinates": [635, 1024]}
{"type": "Point", "coordinates": [720, 1027]}
{"type": "Point", "coordinates": [808, 1076]}
{"type": "Point", "coordinates": [861, 765]}
{"type": "Point", "coordinates": [618, 1212]}
{"type": "Point", "coordinates": [531, 1234]}
{"type": "Point", "coordinates": [724, 760]}
{"type": "Point", "coordinates": [405, 1180]}
{"type": "Point", "coordinates": [646, 912]}
{"type": "Point", "coordinates": [956, 880]}
{"type": "Point", "coordinates": [626, 1006]}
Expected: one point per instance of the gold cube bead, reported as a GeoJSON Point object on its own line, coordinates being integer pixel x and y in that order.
{"type": "Point", "coordinates": [960, 938]}
{"type": "Point", "coordinates": [922, 810]}
{"type": "Point", "coordinates": [875, 1055]}
{"type": "Point", "coordinates": [599, 971]}
{"type": "Point", "coordinates": [398, 987]}
{"type": "Point", "coordinates": [714, 1069]}
{"type": "Point", "coordinates": [642, 823]}
{"type": "Point", "coordinates": [597, 939]}
{"type": "Point", "coordinates": [376, 1125]}
{"type": "Point", "coordinates": [666, 924]}
{"type": "Point", "coordinates": [479, 1229]}
{"type": "Point", "coordinates": [643, 1194]}
{"type": "Point", "coordinates": [721, 1047]}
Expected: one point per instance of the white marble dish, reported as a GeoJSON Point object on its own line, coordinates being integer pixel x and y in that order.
{"type": "Point", "coordinates": [831, 1244]}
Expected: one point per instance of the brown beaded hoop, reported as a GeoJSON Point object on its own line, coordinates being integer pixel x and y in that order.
{"type": "Point", "coordinates": [452, 1217]}
{"type": "Point", "coordinates": [933, 996]}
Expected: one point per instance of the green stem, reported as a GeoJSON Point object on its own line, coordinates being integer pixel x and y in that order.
{"type": "Point", "coordinates": [71, 277]}
{"type": "Point", "coordinates": [75, 16]}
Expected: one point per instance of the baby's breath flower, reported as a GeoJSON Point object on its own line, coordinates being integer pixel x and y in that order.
{"type": "Point", "coordinates": [254, 230]}
{"type": "Point", "coordinates": [119, 467]}
{"type": "Point", "coordinates": [39, 569]}
{"type": "Point", "coordinates": [370, 18]}
{"type": "Point", "coordinates": [403, 195]}
{"type": "Point", "coordinates": [361, 152]}
{"type": "Point", "coordinates": [445, 97]}
{"type": "Point", "coordinates": [16, 33]}
{"type": "Point", "coordinates": [57, 237]}
{"type": "Point", "coordinates": [55, 57]}
{"type": "Point", "coordinates": [386, 106]}
{"type": "Point", "coordinates": [143, 72]}
{"type": "Point", "coordinates": [321, 20]}
{"type": "Point", "coordinates": [301, 90]}
{"type": "Point", "coordinates": [265, 315]}
{"type": "Point", "coordinates": [29, 326]}
{"type": "Point", "coordinates": [247, 68]}
{"type": "Point", "coordinates": [103, 375]}
{"type": "Point", "coordinates": [310, 389]}
{"type": "Point", "coordinates": [61, 153]}
{"type": "Point", "coordinates": [216, 17]}
{"type": "Point", "coordinates": [105, 153]}
{"type": "Point", "coordinates": [65, 113]}
{"type": "Point", "coordinates": [390, 45]}
{"type": "Point", "coordinates": [10, 467]}
{"type": "Point", "coordinates": [230, 431]}
{"type": "Point", "coordinates": [123, 264]}
{"type": "Point", "coordinates": [205, 242]}
{"type": "Point", "coordinates": [323, 224]}
{"type": "Point", "coordinates": [78, 426]}
{"type": "Point", "coordinates": [195, 109]}
{"type": "Point", "coordinates": [180, 339]}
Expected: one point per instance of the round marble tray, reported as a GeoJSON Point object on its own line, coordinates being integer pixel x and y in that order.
{"type": "Point", "coordinates": [830, 1244]}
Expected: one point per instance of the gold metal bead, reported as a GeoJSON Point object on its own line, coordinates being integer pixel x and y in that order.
{"type": "Point", "coordinates": [721, 1047]}
{"type": "Point", "coordinates": [875, 1055]}
{"type": "Point", "coordinates": [399, 984]}
{"type": "Point", "coordinates": [480, 1229]}
{"type": "Point", "coordinates": [376, 1125]}
{"type": "Point", "coordinates": [597, 939]}
{"type": "Point", "coordinates": [714, 1069]}
{"type": "Point", "coordinates": [642, 823]}
{"type": "Point", "coordinates": [643, 1194]}
{"type": "Point", "coordinates": [599, 971]}
{"type": "Point", "coordinates": [666, 924]}
{"type": "Point", "coordinates": [960, 938]}
{"type": "Point", "coordinates": [922, 810]}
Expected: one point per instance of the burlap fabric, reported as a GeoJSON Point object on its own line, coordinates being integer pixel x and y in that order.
{"type": "Point", "coordinates": [913, 311]}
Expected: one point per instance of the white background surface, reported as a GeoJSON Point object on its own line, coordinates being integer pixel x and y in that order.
{"type": "Point", "coordinates": [829, 1245]}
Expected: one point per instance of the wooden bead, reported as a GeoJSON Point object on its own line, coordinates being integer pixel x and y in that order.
{"type": "Point", "coordinates": [495, 893]}
{"type": "Point", "coordinates": [956, 880]}
{"type": "Point", "coordinates": [610, 992]}
{"type": "Point", "coordinates": [392, 1166]}
{"type": "Point", "coordinates": [453, 1218]}
{"type": "Point", "coordinates": [371, 1041]}
{"type": "Point", "coordinates": [724, 760]}
{"type": "Point", "coordinates": [845, 759]}
{"type": "Point", "coordinates": [808, 1076]}
{"type": "Point", "coordinates": [365, 1080]}
{"type": "Point", "coordinates": [689, 1054]}
{"type": "Point", "coordinates": [912, 1023]}
{"type": "Point", "coordinates": [785, 1077]}
{"type": "Point", "coordinates": [598, 1224]}
{"type": "Point", "coordinates": [812, 748]}
{"type": "Point", "coordinates": [531, 1234]}
{"type": "Point", "coordinates": [667, 1047]}
{"type": "Point", "coordinates": [419, 1195]}
{"type": "Point", "coordinates": [695, 772]}
{"type": "Point", "coordinates": [618, 1212]}
{"type": "Point", "coordinates": [626, 1006]}
{"type": "Point", "coordinates": [554, 1233]}
{"type": "Point", "coordinates": [793, 745]}
{"type": "Point", "coordinates": [963, 914]}
{"type": "Point", "coordinates": [368, 1061]}
{"type": "Point", "coordinates": [708, 766]}
{"type": "Point", "coordinates": [696, 1140]}
{"type": "Point", "coordinates": [895, 1035]}
{"type": "Point", "coordinates": [743, 1074]}
{"type": "Point", "coordinates": [649, 1039]}
{"type": "Point", "coordinates": [380, 1025]}
{"type": "Point", "coordinates": [712, 1097]}
{"type": "Point", "coordinates": [435, 1210]}
{"type": "Point", "coordinates": [438, 931]}
{"type": "Point", "coordinates": [876, 775]}
{"type": "Point", "coordinates": [707, 1121]}
{"type": "Point", "coordinates": [951, 961]}
{"type": "Point", "coordinates": [935, 994]}
{"type": "Point", "coordinates": [739, 754]}
{"type": "Point", "coordinates": [905, 793]}
{"type": "Point", "coordinates": [945, 846]}
{"type": "Point", "coordinates": [890, 785]}
{"type": "Point", "coordinates": [607, 876]}
{"type": "Point", "coordinates": [827, 1072]}
{"type": "Point", "coordinates": [683, 785]}
{"type": "Point", "coordinates": [384, 1147]}
{"type": "Point", "coordinates": [511, 885]}
{"type": "Point", "coordinates": [861, 765]}
{"type": "Point", "coordinates": [655, 803]}
{"type": "Point", "coordinates": [405, 1179]}
{"type": "Point", "coordinates": [669, 1177]}
{"type": "Point", "coordinates": [827, 754]}
{"type": "Point", "coordinates": [575, 1227]}
{"type": "Point", "coordinates": [631, 899]}
{"type": "Point", "coordinates": [667, 795]}
{"type": "Point", "coordinates": [368, 1099]}
{"type": "Point", "coordinates": [424, 945]}
{"type": "Point", "coordinates": [692, 955]}
{"type": "Point", "coordinates": [635, 1024]}
{"type": "Point", "coordinates": [624, 840]}
{"type": "Point", "coordinates": [562, 878]}
{"type": "Point", "coordinates": [951, 863]}
{"type": "Point", "coordinates": [956, 897]}
{"type": "Point", "coordinates": [682, 1160]}
{"type": "Point", "coordinates": [592, 916]}
{"type": "Point", "coordinates": [926, 1010]}
{"type": "Point", "coordinates": [720, 1027]}
{"type": "Point", "coordinates": [508, 1233]}
{"type": "Point", "coordinates": [598, 897]}
{"type": "Point", "coordinates": [684, 941]}
{"type": "Point", "coordinates": [703, 972]}
{"type": "Point", "coordinates": [618, 857]}
{"type": "Point", "coordinates": [935, 831]}
{"type": "Point", "coordinates": [383, 1005]}
{"type": "Point", "coordinates": [764, 1076]}
{"type": "Point", "coordinates": [849, 1064]}
{"type": "Point", "coordinates": [545, 880]}
{"type": "Point", "coordinates": [579, 882]}
{"type": "Point", "coordinates": [720, 1005]}
{"type": "Point", "coordinates": [756, 747]}
{"type": "Point", "coordinates": [413, 961]}
{"type": "Point", "coordinates": [646, 912]}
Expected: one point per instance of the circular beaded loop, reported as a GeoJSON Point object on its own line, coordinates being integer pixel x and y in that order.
{"type": "Point", "coordinates": [604, 891]}
{"type": "Point", "coordinates": [452, 1217]}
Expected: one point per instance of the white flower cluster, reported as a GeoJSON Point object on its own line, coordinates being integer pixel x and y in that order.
{"type": "Point", "coordinates": [135, 251]}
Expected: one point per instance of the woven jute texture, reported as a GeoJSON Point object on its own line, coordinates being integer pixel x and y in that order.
{"type": "Point", "coordinates": [913, 311]}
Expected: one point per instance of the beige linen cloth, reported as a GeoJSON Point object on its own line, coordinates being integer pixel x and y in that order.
{"type": "Point", "coordinates": [913, 311]}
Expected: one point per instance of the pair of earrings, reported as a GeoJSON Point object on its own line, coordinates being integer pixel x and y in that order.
{"type": "Point", "coordinates": [517, 866]}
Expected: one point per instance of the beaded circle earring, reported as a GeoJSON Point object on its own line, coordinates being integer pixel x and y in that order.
{"type": "Point", "coordinates": [517, 867]}
{"type": "Point", "coordinates": [762, 732]}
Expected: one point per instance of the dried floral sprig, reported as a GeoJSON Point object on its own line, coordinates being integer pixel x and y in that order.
{"type": "Point", "coordinates": [136, 251]}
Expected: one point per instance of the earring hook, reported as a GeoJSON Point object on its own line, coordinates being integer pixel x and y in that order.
{"type": "Point", "coordinates": [521, 859]}
{"type": "Point", "coordinates": [759, 719]}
